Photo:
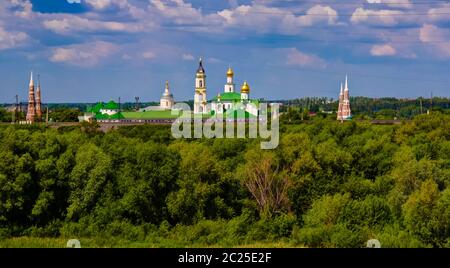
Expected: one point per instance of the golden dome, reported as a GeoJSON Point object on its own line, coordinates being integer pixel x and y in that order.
{"type": "Point", "coordinates": [230, 72]}
{"type": "Point", "coordinates": [245, 88]}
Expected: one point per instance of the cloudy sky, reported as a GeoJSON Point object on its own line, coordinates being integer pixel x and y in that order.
{"type": "Point", "coordinates": [91, 50]}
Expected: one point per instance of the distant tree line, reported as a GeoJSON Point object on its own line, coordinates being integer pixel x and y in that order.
{"type": "Point", "coordinates": [367, 108]}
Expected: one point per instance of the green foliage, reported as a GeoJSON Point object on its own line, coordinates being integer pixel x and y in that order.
{"type": "Point", "coordinates": [64, 115]}
{"type": "Point", "coordinates": [328, 184]}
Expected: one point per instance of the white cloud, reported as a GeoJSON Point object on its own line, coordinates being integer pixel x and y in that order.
{"type": "Point", "coordinates": [148, 55]}
{"type": "Point", "coordinates": [383, 50]}
{"type": "Point", "coordinates": [266, 19]}
{"type": "Point", "coordinates": [393, 3]}
{"type": "Point", "coordinates": [437, 38]}
{"type": "Point", "coordinates": [88, 54]}
{"type": "Point", "coordinates": [296, 57]}
{"type": "Point", "coordinates": [187, 57]}
{"type": "Point", "coordinates": [440, 14]}
{"type": "Point", "coordinates": [381, 17]}
{"type": "Point", "coordinates": [71, 23]}
{"type": "Point", "coordinates": [74, 1]}
{"type": "Point", "coordinates": [318, 14]}
{"type": "Point", "coordinates": [11, 39]}
{"type": "Point", "coordinates": [178, 10]}
{"type": "Point", "coordinates": [25, 8]}
{"type": "Point", "coordinates": [101, 4]}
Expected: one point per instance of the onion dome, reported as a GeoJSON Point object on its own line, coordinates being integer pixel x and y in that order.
{"type": "Point", "coordinates": [230, 72]}
{"type": "Point", "coordinates": [245, 88]}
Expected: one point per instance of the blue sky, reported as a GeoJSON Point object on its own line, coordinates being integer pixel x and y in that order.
{"type": "Point", "coordinates": [91, 50]}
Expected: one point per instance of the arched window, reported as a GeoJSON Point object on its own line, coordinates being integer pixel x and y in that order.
{"type": "Point", "coordinates": [201, 83]}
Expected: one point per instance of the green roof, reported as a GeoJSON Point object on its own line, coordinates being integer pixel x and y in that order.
{"type": "Point", "coordinates": [235, 114]}
{"type": "Point", "coordinates": [164, 114]}
{"type": "Point", "coordinates": [111, 105]}
{"type": "Point", "coordinates": [229, 96]}
{"type": "Point", "coordinates": [100, 116]}
{"type": "Point", "coordinates": [96, 108]}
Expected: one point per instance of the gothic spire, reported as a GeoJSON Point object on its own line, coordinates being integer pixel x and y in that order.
{"type": "Point", "coordinates": [39, 83]}
{"type": "Point", "coordinates": [31, 79]}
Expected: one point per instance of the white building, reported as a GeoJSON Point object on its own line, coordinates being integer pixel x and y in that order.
{"type": "Point", "coordinates": [166, 101]}
{"type": "Point", "coordinates": [227, 101]}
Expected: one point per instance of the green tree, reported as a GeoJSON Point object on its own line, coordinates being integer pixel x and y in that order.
{"type": "Point", "coordinates": [420, 213]}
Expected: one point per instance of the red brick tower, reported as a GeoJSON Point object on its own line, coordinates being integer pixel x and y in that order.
{"type": "Point", "coordinates": [38, 100]}
{"type": "Point", "coordinates": [31, 112]}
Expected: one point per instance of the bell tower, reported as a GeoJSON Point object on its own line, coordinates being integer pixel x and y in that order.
{"type": "Point", "coordinates": [200, 90]}
{"type": "Point", "coordinates": [229, 86]}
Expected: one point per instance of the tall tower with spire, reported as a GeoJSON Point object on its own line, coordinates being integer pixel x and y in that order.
{"type": "Point", "coordinates": [38, 99]}
{"type": "Point", "coordinates": [166, 101]}
{"type": "Point", "coordinates": [31, 112]}
{"type": "Point", "coordinates": [344, 111]}
{"type": "Point", "coordinates": [341, 100]}
{"type": "Point", "coordinates": [200, 90]}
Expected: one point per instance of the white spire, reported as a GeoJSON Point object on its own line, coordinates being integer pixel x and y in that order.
{"type": "Point", "coordinates": [31, 79]}
{"type": "Point", "coordinates": [346, 83]}
{"type": "Point", "coordinates": [166, 91]}
{"type": "Point", "coordinates": [342, 89]}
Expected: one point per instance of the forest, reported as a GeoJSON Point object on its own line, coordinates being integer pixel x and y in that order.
{"type": "Point", "coordinates": [327, 184]}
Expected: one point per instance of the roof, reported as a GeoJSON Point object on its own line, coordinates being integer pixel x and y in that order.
{"type": "Point", "coordinates": [228, 96]}
{"type": "Point", "coordinates": [237, 114]}
{"type": "Point", "coordinates": [96, 108]}
{"type": "Point", "coordinates": [163, 114]}
{"type": "Point", "coordinates": [200, 67]}
{"type": "Point", "coordinates": [115, 116]}
{"type": "Point", "coordinates": [111, 105]}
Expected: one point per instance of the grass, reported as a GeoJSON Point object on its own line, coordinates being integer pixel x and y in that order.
{"type": "Point", "coordinates": [60, 242]}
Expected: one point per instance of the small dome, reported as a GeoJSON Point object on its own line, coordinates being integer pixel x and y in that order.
{"type": "Point", "coordinates": [245, 88]}
{"type": "Point", "coordinates": [230, 72]}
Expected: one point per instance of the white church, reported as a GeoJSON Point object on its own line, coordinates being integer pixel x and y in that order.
{"type": "Point", "coordinates": [229, 100]}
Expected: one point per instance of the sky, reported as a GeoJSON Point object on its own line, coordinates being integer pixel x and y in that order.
{"type": "Point", "coordinates": [97, 50]}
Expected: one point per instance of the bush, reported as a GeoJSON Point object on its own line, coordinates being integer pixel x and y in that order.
{"type": "Point", "coordinates": [314, 237]}
{"type": "Point", "coordinates": [393, 236]}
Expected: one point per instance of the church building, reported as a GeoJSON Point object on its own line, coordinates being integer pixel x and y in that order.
{"type": "Point", "coordinates": [228, 100]}
{"type": "Point", "coordinates": [34, 111]}
{"type": "Point", "coordinates": [344, 111]}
